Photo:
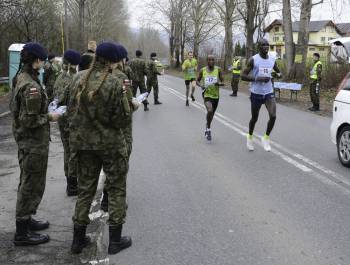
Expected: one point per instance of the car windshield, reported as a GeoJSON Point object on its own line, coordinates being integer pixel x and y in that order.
{"type": "Point", "coordinates": [347, 84]}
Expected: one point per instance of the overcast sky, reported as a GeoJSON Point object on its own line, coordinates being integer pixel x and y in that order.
{"type": "Point", "coordinates": [337, 12]}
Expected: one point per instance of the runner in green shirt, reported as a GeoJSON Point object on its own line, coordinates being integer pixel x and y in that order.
{"type": "Point", "coordinates": [189, 67]}
{"type": "Point", "coordinates": [212, 80]}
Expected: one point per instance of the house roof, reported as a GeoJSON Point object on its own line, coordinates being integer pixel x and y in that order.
{"type": "Point", "coordinates": [315, 26]}
{"type": "Point", "coordinates": [344, 28]}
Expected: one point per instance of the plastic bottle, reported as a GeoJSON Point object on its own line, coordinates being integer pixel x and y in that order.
{"type": "Point", "coordinates": [142, 97]}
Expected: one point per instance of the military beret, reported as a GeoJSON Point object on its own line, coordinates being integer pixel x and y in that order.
{"type": "Point", "coordinates": [51, 56]}
{"type": "Point", "coordinates": [317, 54]}
{"type": "Point", "coordinates": [109, 51]}
{"type": "Point", "coordinates": [124, 52]}
{"type": "Point", "coordinates": [153, 54]}
{"type": "Point", "coordinates": [36, 49]}
{"type": "Point", "coordinates": [138, 53]}
{"type": "Point", "coordinates": [72, 56]}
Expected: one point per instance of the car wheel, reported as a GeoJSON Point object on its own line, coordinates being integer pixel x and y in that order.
{"type": "Point", "coordinates": [343, 144]}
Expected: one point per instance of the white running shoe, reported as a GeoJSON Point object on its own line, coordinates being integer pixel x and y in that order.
{"type": "Point", "coordinates": [250, 143]}
{"type": "Point", "coordinates": [265, 141]}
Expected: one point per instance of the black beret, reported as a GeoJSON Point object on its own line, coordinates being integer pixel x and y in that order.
{"type": "Point", "coordinates": [153, 54]}
{"type": "Point", "coordinates": [138, 53]}
{"type": "Point", "coordinates": [109, 51]}
{"type": "Point", "coordinates": [72, 56]}
{"type": "Point", "coordinates": [317, 54]}
{"type": "Point", "coordinates": [36, 49]}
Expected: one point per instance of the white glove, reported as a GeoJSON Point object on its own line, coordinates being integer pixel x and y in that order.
{"type": "Point", "coordinates": [53, 105]}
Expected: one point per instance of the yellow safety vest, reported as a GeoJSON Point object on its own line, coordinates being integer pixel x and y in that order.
{"type": "Point", "coordinates": [235, 66]}
{"type": "Point", "coordinates": [313, 73]}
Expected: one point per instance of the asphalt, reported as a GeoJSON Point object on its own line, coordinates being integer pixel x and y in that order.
{"type": "Point", "coordinates": [197, 203]}
{"type": "Point", "coordinates": [194, 202]}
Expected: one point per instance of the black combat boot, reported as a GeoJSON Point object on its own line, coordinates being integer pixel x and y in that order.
{"type": "Point", "coordinates": [104, 202]}
{"type": "Point", "coordinates": [24, 237]}
{"type": "Point", "coordinates": [157, 102]}
{"type": "Point", "coordinates": [35, 225]}
{"type": "Point", "coordinates": [72, 186]}
{"type": "Point", "coordinates": [317, 107]}
{"type": "Point", "coordinates": [80, 240]}
{"type": "Point", "coordinates": [117, 242]}
{"type": "Point", "coordinates": [145, 107]}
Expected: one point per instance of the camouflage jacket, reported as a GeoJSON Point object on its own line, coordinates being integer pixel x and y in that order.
{"type": "Point", "coordinates": [28, 105]}
{"type": "Point", "coordinates": [96, 122]}
{"type": "Point", "coordinates": [51, 71]}
{"type": "Point", "coordinates": [152, 70]}
{"type": "Point", "coordinates": [122, 76]}
{"type": "Point", "coordinates": [139, 69]}
{"type": "Point", "coordinates": [62, 93]}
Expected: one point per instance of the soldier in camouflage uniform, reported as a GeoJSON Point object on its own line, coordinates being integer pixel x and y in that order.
{"type": "Point", "coordinates": [88, 56]}
{"type": "Point", "coordinates": [31, 131]}
{"type": "Point", "coordinates": [51, 72]}
{"type": "Point", "coordinates": [152, 78]}
{"type": "Point", "coordinates": [71, 59]}
{"type": "Point", "coordinates": [100, 111]}
{"type": "Point", "coordinates": [121, 73]}
{"type": "Point", "coordinates": [139, 68]}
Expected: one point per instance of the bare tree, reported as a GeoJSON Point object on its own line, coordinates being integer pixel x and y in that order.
{"type": "Point", "coordinates": [288, 33]}
{"type": "Point", "coordinates": [226, 10]}
{"type": "Point", "coordinates": [303, 35]}
{"type": "Point", "coordinates": [203, 22]}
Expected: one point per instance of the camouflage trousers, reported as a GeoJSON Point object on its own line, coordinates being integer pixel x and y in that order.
{"type": "Point", "coordinates": [128, 139]}
{"type": "Point", "coordinates": [153, 83]}
{"type": "Point", "coordinates": [33, 166]}
{"type": "Point", "coordinates": [70, 159]}
{"type": "Point", "coordinates": [115, 165]}
{"type": "Point", "coordinates": [315, 93]}
{"type": "Point", "coordinates": [139, 85]}
{"type": "Point", "coordinates": [235, 83]}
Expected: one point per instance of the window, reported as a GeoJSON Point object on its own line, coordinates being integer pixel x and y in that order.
{"type": "Point", "coordinates": [330, 38]}
{"type": "Point", "coordinates": [272, 47]}
{"type": "Point", "coordinates": [321, 49]}
{"type": "Point", "coordinates": [312, 49]}
{"type": "Point", "coordinates": [323, 39]}
{"type": "Point", "coordinates": [276, 39]}
{"type": "Point", "coordinates": [277, 29]}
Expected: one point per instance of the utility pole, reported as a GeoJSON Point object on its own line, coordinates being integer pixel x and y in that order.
{"type": "Point", "coordinates": [66, 32]}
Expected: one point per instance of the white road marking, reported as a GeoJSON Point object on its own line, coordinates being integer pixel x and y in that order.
{"type": "Point", "coordinates": [279, 150]}
{"type": "Point", "coordinates": [4, 114]}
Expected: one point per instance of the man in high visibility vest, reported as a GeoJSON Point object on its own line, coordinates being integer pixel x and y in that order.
{"type": "Point", "coordinates": [236, 75]}
{"type": "Point", "coordinates": [315, 78]}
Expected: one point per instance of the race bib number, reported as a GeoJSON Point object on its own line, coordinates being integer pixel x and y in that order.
{"type": "Point", "coordinates": [190, 71]}
{"type": "Point", "coordinates": [265, 71]}
{"type": "Point", "coordinates": [210, 80]}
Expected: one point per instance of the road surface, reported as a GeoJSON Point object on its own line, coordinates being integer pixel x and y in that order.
{"type": "Point", "coordinates": [194, 202]}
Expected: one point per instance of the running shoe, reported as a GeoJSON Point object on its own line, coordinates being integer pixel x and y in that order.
{"type": "Point", "coordinates": [250, 143]}
{"type": "Point", "coordinates": [265, 140]}
{"type": "Point", "coordinates": [208, 134]}
{"type": "Point", "coordinates": [187, 104]}
{"type": "Point", "coordinates": [192, 97]}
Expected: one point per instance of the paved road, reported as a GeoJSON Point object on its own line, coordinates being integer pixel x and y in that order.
{"type": "Point", "coordinates": [193, 202]}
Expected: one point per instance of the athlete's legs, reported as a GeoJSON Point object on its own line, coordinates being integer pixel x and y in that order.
{"type": "Point", "coordinates": [193, 84]}
{"type": "Point", "coordinates": [210, 113]}
{"type": "Point", "coordinates": [271, 108]}
{"type": "Point", "coordinates": [255, 109]}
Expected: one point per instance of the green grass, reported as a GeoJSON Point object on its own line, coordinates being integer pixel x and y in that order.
{"type": "Point", "coordinates": [4, 89]}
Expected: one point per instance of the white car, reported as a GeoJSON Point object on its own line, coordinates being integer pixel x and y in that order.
{"type": "Point", "coordinates": [340, 128]}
